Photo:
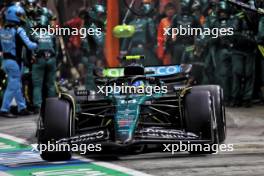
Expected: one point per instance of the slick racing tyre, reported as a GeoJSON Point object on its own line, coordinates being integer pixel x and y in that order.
{"type": "Point", "coordinates": [199, 119]}
{"type": "Point", "coordinates": [217, 93]}
{"type": "Point", "coordinates": [57, 124]}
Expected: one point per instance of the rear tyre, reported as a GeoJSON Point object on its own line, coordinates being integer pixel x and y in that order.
{"type": "Point", "coordinates": [199, 118]}
{"type": "Point", "coordinates": [218, 96]}
{"type": "Point", "coordinates": [57, 124]}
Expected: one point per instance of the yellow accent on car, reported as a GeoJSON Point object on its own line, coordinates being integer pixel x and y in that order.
{"type": "Point", "coordinates": [135, 57]}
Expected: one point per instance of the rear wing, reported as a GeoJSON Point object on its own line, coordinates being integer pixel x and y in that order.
{"type": "Point", "coordinates": [152, 71]}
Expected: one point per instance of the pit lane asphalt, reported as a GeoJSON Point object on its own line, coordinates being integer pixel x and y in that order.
{"type": "Point", "coordinates": [245, 131]}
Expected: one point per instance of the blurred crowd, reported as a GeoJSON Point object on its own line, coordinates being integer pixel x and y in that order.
{"type": "Point", "coordinates": [235, 62]}
{"type": "Point", "coordinates": [36, 66]}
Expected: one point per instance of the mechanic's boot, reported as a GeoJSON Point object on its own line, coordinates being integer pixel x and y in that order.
{"type": "Point", "coordinates": [24, 112]}
{"type": "Point", "coordinates": [7, 114]}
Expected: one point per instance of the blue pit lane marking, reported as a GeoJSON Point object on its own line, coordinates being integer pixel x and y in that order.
{"type": "Point", "coordinates": [2, 168]}
{"type": "Point", "coordinates": [28, 159]}
{"type": "Point", "coordinates": [17, 155]}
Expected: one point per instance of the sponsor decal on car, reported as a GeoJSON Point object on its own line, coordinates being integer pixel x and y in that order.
{"type": "Point", "coordinates": [113, 72]}
{"type": "Point", "coordinates": [167, 133]}
{"type": "Point", "coordinates": [92, 136]}
{"type": "Point", "coordinates": [153, 71]}
{"type": "Point", "coordinates": [163, 70]}
{"type": "Point", "coordinates": [124, 123]}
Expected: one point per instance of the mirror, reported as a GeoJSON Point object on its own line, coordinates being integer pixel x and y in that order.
{"type": "Point", "coordinates": [124, 31]}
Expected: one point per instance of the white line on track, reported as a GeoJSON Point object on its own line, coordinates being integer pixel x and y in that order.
{"type": "Point", "coordinates": [103, 164]}
{"type": "Point", "coordinates": [4, 174]}
{"type": "Point", "coordinates": [13, 138]}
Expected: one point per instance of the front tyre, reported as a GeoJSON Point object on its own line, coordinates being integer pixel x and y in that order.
{"type": "Point", "coordinates": [218, 96]}
{"type": "Point", "coordinates": [200, 120]}
{"type": "Point", "coordinates": [57, 124]}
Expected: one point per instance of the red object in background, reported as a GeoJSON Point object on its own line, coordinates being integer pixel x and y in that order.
{"type": "Point", "coordinates": [161, 38]}
{"type": "Point", "coordinates": [75, 40]}
{"type": "Point", "coordinates": [112, 43]}
{"type": "Point", "coordinates": [202, 20]}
